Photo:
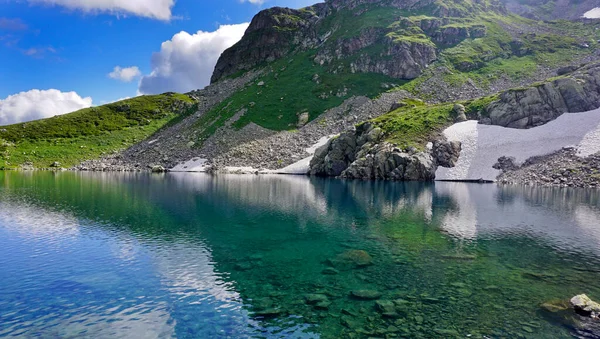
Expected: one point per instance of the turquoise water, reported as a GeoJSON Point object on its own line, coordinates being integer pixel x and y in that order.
{"type": "Point", "coordinates": [194, 256]}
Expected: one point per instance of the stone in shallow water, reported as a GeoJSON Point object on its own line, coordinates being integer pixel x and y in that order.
{"type": "Point", "coordinates": [385, 306]}
{"type": "Point", "coordinates": [585, 306]}
{"type": "Point", "coordinates": [352, 258]}
{"type": "Point", "coordinates": [330, 271]}
{"type": "Point", "coordinates": [366, 294]}
{"type": "Point", "coordinates": [554, 306]}
{"type": "Point", "coordinates": [315, 298]}
{"type": "Point", "coordinates": [268, 313]}
{"type": "Point", "coordinates": [323, 305]}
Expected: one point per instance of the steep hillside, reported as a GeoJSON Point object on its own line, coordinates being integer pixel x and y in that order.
{"type": "Point", "coordinates": [89, 133]}
{"type": "Point", "coordinates": [300, 75]}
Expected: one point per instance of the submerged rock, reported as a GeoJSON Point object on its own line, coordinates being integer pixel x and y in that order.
{"type": "Point", "coordinates": [366, 294]}
{"type": "Point", "coordinates": [358, 258]}
{"type": "Point", "coordinates": [554, 306]}
{"type": "Point", "coordinates": [330, 271]}
{"type": "Point", "coordinates": [585, 306]}
{"type": "Point", "coordinates": [315, 298]}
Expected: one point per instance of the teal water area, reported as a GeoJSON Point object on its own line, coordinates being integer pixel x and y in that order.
{"type": "Point", "coordinates": [108, 255]}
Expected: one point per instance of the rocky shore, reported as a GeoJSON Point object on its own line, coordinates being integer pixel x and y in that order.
{"type": "Point", "coordinates": [563, 169]}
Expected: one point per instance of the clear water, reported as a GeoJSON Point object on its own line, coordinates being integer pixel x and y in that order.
{"type": "Point", "coordinates": [195, 256]}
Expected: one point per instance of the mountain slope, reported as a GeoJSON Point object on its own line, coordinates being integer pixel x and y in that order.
{"type": "Point", "coordinates": [68, 139]}
{"type": "Point", "coordinates": [299, 75]}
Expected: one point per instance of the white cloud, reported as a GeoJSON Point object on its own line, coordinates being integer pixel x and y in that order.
{"type": "Point", "coordinates": [256, 2]}
{"type": "Point", "coordinates": [186, 62]}
{"type": "Point", "coordinates": [38, 104]}
{"type": "Point", "coordinates": [125, 74]}
{"type": "Point", "coordinates": [155, 9]}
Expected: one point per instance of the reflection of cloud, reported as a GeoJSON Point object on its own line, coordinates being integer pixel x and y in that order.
{"type": "Point", "coordinates": [141, 321]}
{"type": "Point", "coordinates": [460, 222]}
{"type": "Point", "coordinates": [33, 222]}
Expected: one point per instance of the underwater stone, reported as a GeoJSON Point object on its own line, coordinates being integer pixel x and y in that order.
{"type": "Point", "coordinates": [358, 258]}
{"type": "Point", "coordinates": [323, 305]}
{"type": "Point", "coordinates": [330, 271]}
{"type": "Point", "coordinates": [270, 312]}
{"type": "Point", "coordinates": [385, 306]}
{"type": "Point", "coordinates": [366, 294]}
{"type": "Point", "coordinates": [554, 306]}
{"type": "Point", "coordinates": [243, 266]}
{"type": "Point", "coordinates": [315, 298]}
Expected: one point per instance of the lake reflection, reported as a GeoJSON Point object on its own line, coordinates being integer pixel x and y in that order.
{"type": "Point", "coordinates": [195, 256]}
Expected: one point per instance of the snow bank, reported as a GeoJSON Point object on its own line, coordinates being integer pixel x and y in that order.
{"type": "Point", "coordinates": [592, 14]}
{"type": "Point", "coordinates": [482, 145]}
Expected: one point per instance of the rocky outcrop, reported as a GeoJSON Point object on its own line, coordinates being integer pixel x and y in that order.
{"type": "Point", "coordinates": [272, 34]}
{"type": "Point", "coordinates": [564, 168]}
{"type": "Point", "coordinates": [585, 306]}
{"type": "Point", "coordinates": [541, 103]}
{"type": "Point", "coordinates": [363, 154]}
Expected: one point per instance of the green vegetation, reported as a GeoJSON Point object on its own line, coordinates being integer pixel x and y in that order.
{"type": "Point", "coordinates": [89, 133]}
{"type": "Point", "coordinates": [291, 87]}
{"type": "Point", "coordinates": [417, 123]}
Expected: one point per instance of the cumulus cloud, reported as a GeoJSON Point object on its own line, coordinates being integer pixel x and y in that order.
{"type": "Point", "coordinates": [155, 9]}
{"type": "Point", "coordinates": [256, 2]}
{"type": "Point", "coordinates": [125, 74]}
{"type": "Point", "coordinates": [38, 104]}
{"type": "Point", "coordinates": [186, 62]}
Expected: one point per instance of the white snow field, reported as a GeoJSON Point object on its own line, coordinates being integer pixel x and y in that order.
{"type": "Point", "coordinates": [482, 145]}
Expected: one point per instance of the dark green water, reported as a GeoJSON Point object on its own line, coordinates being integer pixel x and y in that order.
{"type": "Point", "coordinates": [195, 256]}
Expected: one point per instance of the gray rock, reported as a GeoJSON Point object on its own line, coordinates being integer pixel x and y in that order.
{"type": "Point", "coordinates": [459, 111]}
{"type": "Point", "coordinates": [585, 306]}
{"type": "Point", "coordinates": [445, 152]}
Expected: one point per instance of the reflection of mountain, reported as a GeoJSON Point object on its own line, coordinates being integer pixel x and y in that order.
{"type": "Point", "coordinates": [196, 253]}
{"type": "Point", "coordinates": [564, 217]}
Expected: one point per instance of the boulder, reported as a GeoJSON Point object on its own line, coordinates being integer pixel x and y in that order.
{"type": "Point", "coordinates": [353, 258]}
{"type": "Point", "coordinates": [445, 152]}
{"type": "Point", "coordinates": [315, 298]}
{"type": "Point", "coordinates": [585, 306]}
{"type": "Point", "coordinates": [459, 112]}
{"type": "Point", "coordinates": [158, 169]}
{"type": "Point", "coordinates": [302, 119]}
{"type": "Point", "coordinates": [366, 294]}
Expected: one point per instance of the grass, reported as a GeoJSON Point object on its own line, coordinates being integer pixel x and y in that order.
{"type": "Point", "coordinates": [417, 123]}
{"type": "Point", "coordinates": [89, 133]}
{"type": "Point", "coordinates": [288, 90]}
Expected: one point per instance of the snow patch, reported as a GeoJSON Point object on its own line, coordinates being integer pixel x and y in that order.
{"type": "Point", "coordinates": [482, 145]}
{"type": "Point", "coordinates": [592, 13]}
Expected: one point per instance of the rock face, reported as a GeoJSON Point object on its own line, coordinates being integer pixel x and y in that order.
{"type": "Point", "coordinates": [362, 154]}
{"type": "Point", "coordinates": [403, 51]}
{"type": "Point", "coordinates": [272, 34]}
{"type": "Point", "coordinates": [537, 105]}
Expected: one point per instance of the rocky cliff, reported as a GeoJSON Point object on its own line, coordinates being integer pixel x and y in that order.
{"type": "Point", "coordinates": [363, 153]}
{"type": "Point", "coordinates": [578, 91]}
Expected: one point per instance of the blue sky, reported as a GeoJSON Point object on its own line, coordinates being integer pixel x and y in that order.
{"type": "Point", "coordinates": [73, 45]}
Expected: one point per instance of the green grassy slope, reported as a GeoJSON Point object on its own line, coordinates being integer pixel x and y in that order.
{"type": "Point", "coordinates": [89, 133]}
{"type": "Point", "coordinates": [488, 44]}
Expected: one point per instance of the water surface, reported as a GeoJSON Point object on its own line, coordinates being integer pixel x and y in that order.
{"type": "Point", "coordinates": [196, 256]}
